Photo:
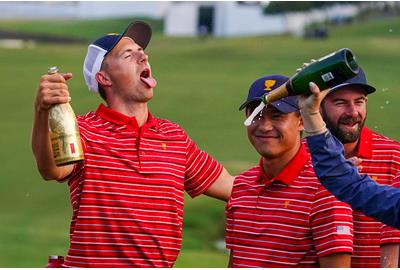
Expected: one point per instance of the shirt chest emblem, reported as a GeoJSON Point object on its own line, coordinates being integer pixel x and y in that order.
{"type": "Point", "coordinates": [286, 204]}
{"type": "Point", "coordinates": [164, 146]}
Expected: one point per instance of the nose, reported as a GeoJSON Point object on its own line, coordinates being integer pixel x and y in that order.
{"type": "Point", "coordinates": [263, 122]}
{"type": "Point", "coordinates": [143, 58]}
{"type": "Point", "coordinates": [352, 110]}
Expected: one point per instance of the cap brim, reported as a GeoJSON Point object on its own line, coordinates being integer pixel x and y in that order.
{"type": "Point", "coordinates": [280, 105]}
{"type": "Point", "coordinates": [244, 105]}
{"type": "Point", "coordinates": [140, 32]}
{"type": "Point", "coordinates": [366, 87]}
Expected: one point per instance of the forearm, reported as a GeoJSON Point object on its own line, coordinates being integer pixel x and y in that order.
{"type": "Point", "coordinates": [390, 255]}
{"type": "Point", "coordinates": [341, 178]}
{"type": "Point", "coordinates": [222, 187]}
{"type": "Point", "coordinates": [337, 260]}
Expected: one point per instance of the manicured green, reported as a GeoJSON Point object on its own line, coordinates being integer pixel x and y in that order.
{"type": "Point", "coordinates": [201, 84]}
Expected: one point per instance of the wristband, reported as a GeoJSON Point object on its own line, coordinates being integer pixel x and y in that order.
{"type": "Point", "coordinates": [316, 131]}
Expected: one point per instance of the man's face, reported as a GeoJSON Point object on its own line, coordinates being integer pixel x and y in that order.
{"type": "Point", "coordinates": [273, 133]}
{"type": "Point", "coordinates": [129, 71]}
{"type": "Point", "coordinates": [344, 112]}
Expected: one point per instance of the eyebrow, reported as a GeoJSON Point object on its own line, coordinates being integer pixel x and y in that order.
{"type": "Point", "coordinates": [345, 99]}
{"type": "Point", "coordinates": [124, 51]}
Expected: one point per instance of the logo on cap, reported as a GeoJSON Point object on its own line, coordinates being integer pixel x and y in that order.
{"type": "Point", "coordinates": [268, 84]}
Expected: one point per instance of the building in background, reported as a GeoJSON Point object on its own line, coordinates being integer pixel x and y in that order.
{"type": "Point", "coordinates": [243, 18]}
{"type": "Point", "coordinates": [188, 18]}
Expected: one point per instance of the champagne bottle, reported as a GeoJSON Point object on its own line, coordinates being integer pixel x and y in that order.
{"type": "Point", "coordinates": [64, 132]}
{"type": "Point", "coordinates": [327, 71]}
{"type": "Point", "coordinates": [55, 261]}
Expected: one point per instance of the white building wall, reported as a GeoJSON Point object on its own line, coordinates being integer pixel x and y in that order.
{"type": "Point", "coordinates": [181, 19]}
{"type": "Point", "coordinates": [246, 20]}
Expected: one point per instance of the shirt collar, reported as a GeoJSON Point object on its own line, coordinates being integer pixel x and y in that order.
{"type": "Point", "coordinates": [122, 119]}
{"type": "Point", "coordinates": [291, 171]}
{"type": "Point", "coordinates": [365, 143]}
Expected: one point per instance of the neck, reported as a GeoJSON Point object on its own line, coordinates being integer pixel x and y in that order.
{"type": "Point", "coordinates": [274, 165]}
{"type": "Point", "coordinates": [350, 149]}
{"type": "Point", "coordinates": [139, 110]}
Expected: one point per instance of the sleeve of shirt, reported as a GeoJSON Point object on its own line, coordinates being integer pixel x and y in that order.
{"type": "Point", "coordinates": [341, 178]}
{"type": "Point", "coordinates": [390, 235]}
{"type": "Point", "coordinates": [201, 170]}
{"type": "Point", "coordinates": [331, 223]}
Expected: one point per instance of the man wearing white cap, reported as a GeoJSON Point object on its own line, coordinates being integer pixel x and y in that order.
{"type": "Point", "coordinates": [127, 194]}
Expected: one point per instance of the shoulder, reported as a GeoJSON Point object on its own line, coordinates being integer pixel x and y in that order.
{"type": "Point", "coordinates": [379, 139]}
{"type": "Point", "coordinates": [170, 130]}
{"type": "Point", "coordinates": [248, 176]}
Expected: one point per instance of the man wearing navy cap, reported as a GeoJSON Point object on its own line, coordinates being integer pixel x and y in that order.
{"type": "Point", "coordinates": [127, 195]}
{"type": "Point", "coordinates": [278, 214]}
{"type": "Point", "coordinates": [344, 111]}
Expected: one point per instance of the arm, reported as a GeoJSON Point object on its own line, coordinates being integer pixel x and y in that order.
{"type": "Point", "coordinates": [52, 90]}
{"type": "Point", "coordinates": [339, 176]}
{"type": "Point", "coordinates": [390, 255]}
{"type": "Point", "coordinates": [222, 187]}
{"type": "Point", "coordinates": [230, 263]}
{"type": "Point", "coordinates": [337, 260]}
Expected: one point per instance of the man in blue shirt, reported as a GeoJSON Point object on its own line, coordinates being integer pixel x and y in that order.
{"type": "Point", "coordinates": [340, 176]}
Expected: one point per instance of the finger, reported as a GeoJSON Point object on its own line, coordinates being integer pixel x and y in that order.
{"type": "Point", "coordinates": [355, 160]}
{"type": "Point", "coordinates": [56, 77]}
{"type": "Point", "coordinates": [314, 89]}
{"type": "Point", "coordinates": [66, 76]}
{"type": "Point", "coordinates": [313, 60]}
{"type": "Point", "coordinates": [48, 100]}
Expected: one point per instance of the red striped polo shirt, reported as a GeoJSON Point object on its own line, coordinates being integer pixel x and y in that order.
{"type": "Point", "coordinates": [381, 161]}
{"type": "Point", "coordinates": [127, 195]}
{"type": "Point", "coordinates": [287, 221]}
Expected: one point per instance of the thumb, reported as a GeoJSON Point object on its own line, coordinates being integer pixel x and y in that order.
{"type": "Point", "coordinates": [317, 92]}
{"type": "Point", "coordinates": [67, 76]}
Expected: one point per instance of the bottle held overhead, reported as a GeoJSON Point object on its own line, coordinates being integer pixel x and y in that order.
{"type": "Point", "coordinates": [64, 132]}
{"type": "Point", "coordinates": [329, 70]}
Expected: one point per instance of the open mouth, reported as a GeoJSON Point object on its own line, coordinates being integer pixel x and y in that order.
{"type": "Point", "coordinates": [145, 74]}
{"type": "Point", "coordinates": [145, 77]}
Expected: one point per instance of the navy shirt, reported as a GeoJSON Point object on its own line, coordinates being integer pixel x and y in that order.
{"type": "Point", "coordinates": [341, 178]}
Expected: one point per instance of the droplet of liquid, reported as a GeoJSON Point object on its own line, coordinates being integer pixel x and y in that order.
{"type": "Point", "coordinates": [256, 111]}
{"type": "Point", "coordinates": [387, 102]}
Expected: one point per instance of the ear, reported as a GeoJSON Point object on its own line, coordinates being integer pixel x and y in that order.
{"type": "Point", "coordinates": [103, 79]}
{"type": "Point", "coordinates": [301, 125]}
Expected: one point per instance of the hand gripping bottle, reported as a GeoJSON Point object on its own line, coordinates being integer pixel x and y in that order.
{"type": "Point", "coordinates": [64, 132]}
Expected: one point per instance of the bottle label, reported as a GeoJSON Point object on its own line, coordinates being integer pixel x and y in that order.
{"type": "Point", "coordinates": [327, 77]}
{"type": "Point", "coordinates": [65, 138]}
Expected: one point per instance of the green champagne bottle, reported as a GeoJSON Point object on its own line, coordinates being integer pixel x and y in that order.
{"type": "Point", "coordinates": [329, 70]}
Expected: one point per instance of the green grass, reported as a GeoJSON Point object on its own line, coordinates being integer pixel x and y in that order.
{"type": "Point", "coordinates": [86, 29]}
{"type": "Point", "coordinates": [201, 84]}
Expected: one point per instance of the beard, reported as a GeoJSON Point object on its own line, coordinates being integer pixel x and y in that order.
{"type": "Point", "coordinates": [344, 136]}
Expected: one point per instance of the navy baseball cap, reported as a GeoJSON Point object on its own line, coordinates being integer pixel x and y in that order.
{"type": "Point", "coordinates": [358, 80]}
{"type": "Point", "coordinates": [139, 31]}
{"type": "Point", "coordinates": [266, 85]}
